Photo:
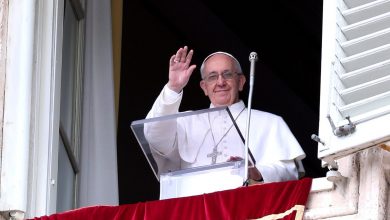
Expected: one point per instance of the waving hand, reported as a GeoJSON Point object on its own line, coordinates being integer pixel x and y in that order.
{"type": "Point", "coordinates": [180, 69]}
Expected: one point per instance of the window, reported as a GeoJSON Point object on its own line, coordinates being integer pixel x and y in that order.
{"type": "Point", "coordinates": [70, 107]}
{"type": "Point", "coordinates": [42, 113]}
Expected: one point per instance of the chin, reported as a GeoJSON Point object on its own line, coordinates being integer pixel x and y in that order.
{"type": "Point", "coordinates": [222, 100]}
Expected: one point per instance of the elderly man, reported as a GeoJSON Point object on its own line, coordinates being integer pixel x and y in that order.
{"type": "Point", "coordinates": [188, 142]}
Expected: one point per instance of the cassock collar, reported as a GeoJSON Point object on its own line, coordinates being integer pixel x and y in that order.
{"type": "Point", "coordinates": [235, 109]}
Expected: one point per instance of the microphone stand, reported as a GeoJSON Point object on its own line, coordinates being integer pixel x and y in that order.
{"type": "Point", "coordinates": [252, 60]}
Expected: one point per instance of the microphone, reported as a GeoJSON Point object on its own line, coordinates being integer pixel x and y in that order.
{"type": "Point", "coordinates": [253, 56]}
{"type": "Point", "coordinates": [252, 60]}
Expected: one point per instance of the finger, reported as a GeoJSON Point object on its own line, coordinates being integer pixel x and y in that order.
{"type": "Point", "coordinates": [191, 69]}
{"type": "Point", "coordinates": [183, 54]}
{"type": "Point", "coordinates": [178, 54]}
{"type": "Point", "coordinates": [235, 157]}
{"type": "Point", "coordinates": [172, 60]}
{"type": "Point", "coordinates": [189, 57]}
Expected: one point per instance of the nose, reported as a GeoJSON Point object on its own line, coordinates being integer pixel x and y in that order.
{"type": "Point", "coordinates": [221, 80]}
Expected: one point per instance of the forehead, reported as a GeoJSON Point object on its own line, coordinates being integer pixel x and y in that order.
{"type": "Point", "coordinates": [219, 62]}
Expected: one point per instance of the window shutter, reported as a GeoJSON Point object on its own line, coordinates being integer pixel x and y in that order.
{"type": "Point", "coordinates": [355, 76]}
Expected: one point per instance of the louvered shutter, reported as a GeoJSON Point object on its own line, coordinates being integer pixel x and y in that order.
{"type": "Point", "coordinates": [355, 76]}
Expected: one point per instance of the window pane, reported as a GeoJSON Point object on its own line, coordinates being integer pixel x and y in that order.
{"type": "Point", "coordinates": [66, 180]}
{"type": "Point", "coordinates": [69, 64]}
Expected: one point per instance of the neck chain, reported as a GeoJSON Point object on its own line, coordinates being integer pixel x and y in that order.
{"type": "Point", "coordinates": [215, 153]}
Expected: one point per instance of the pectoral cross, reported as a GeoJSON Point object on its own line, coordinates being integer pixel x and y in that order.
{"type": "Point", "coordinates": [214, 155]}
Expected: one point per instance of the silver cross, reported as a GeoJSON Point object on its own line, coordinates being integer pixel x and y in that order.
{"type": "Point", "coordinates": [214, 155]}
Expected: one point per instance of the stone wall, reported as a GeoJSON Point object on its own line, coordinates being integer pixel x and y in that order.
{"type": "Point", "coordinates": [361, 193]}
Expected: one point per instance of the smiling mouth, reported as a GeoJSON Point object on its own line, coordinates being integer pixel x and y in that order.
{"type": "Point", "coordinates": [225, 90]}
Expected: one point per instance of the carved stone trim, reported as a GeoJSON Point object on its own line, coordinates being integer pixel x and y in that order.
{"type": "Point", "coordinates": [374, 188]}
{"type": "Point", "coordinates": [342, 200]}
{"type": "Point", "coordinates": [12, 215]}
{"type": "Point", "coordinates": [362, 193]}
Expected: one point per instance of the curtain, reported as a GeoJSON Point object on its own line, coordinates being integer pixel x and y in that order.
{"type": "Point", "coordinates": [98, 166]}
{"type": "Point", "coordinates": [281, 200]}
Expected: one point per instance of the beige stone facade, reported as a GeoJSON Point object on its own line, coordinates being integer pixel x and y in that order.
{"type": "Point", "coordinates": [361, 193]}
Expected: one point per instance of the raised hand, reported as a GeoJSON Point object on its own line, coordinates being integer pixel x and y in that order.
{"type": "Point", "coordinates": [180, 70]}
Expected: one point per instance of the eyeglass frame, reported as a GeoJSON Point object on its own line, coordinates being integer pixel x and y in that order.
{"type": "Point", "coordinates": [223, 75]}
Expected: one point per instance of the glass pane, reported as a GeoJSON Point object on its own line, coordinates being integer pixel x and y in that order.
{"type": "Point", "coordinates": [69, 64]}
{"type": "Point", "coordinates": [170, 146]}
{"type": "Point", "coordinates": [66, 179]}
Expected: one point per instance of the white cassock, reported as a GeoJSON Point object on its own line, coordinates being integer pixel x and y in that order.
{"type": "Point", "coordinates": [189, 141]}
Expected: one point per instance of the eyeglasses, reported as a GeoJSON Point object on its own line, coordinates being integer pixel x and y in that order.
{"type": "Point", "coordinates": [213, 77]}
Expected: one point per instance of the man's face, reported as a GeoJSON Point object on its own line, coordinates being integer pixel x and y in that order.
{"type": "Point", "coordinates": [222, 91]}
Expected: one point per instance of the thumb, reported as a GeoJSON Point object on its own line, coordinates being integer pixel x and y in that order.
{"type": "Point", "coordinates": [190, 70]}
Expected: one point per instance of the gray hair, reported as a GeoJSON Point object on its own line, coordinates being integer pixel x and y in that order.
{"type": "Point", "coordinates": [236, 63]}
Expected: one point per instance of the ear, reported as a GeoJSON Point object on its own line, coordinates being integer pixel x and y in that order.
{"type": "Point", "coordinates": [203, 86]}
{"type": "Point", "coordinates": [241, 82]}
